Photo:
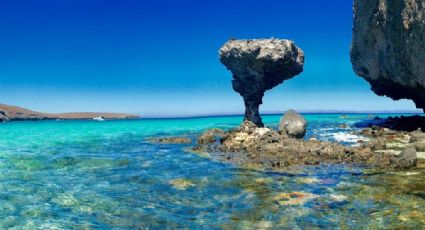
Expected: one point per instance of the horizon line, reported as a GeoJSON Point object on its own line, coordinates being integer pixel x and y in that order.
{"type": "Point", "coordinates": [306, 112]}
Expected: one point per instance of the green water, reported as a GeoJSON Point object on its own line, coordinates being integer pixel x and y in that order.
{"type": "Point", "coordinates": [105, 175]}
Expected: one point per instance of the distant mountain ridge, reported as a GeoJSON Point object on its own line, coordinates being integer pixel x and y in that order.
{"type": "Point", "coordinates": [15, 113]}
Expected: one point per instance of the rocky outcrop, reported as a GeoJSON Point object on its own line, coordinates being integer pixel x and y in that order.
{"type": "Point", "coordinates": [406, 147]}
{"type": "Point", "coordinates": [264, 148]}
{"type": "Point", "coordinates": [209, 136]}
{"type": "Point", "coordinates": [293, 125]}
{"type": "Point", "coordinates": [402, 123]}
{"type": "Point", "coordinates": [15, 113]}
{"type": "Point", "coordinates": [406, 159]}
{"type": "Point", "coordinates": [388, 48]}
{"type": "Point", "coordinates": [258, 65]}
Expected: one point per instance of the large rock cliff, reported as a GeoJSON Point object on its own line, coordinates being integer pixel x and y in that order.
{"type": "Point", "coordinates": [258, 65]}
{"type": "Point", "coordinates": [388, 48]}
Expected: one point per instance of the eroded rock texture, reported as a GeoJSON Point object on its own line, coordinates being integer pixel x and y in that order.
{"type": "Point", "coordinates": [258, 65]}
{"type": "Point", "coordinates": [293, 125]}
{"type": "Point", "coordinates": [388, 48]}
{"type": "Point", "coordinates": [266, 149]}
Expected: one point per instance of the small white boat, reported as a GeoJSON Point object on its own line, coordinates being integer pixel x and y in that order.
{"type": "Point", "coordinates": [98, 118]}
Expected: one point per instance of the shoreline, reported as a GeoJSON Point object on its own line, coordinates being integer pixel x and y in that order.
{"type": "Point", "coordinates": [264, 148]}
{"type": "Point", "coordinates": [10, 113]}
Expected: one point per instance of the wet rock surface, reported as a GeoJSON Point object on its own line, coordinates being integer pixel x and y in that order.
{"type": "Point", "coordinates": [293, 125]}
{"type": "Point", "coordinates": [388, 48]}
{"type": "Point", "coordinates": [209, 136]}
{"type": "Point", "coordinates": [258, 65]}
{"type": "Point", "coordinates": [264, 148]}
{"type": "Point", "coordinates": [408, 148]}
{"type": "Point", "coordinates": [406, 159]}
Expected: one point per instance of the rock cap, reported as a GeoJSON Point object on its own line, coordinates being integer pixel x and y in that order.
{"type": "Point", "coordinates": [258, 65]}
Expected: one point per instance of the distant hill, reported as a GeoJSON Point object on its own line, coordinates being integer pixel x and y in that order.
{"type": "Point", "coordinates": [15, 113]}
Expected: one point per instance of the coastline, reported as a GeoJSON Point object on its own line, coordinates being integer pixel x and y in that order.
{"type": "Point", "coordinates": [10, 113]}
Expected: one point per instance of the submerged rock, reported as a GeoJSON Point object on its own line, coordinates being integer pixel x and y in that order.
{"type": "Point", "coordinates": [294, 198]}
{"type": "Point", "coordinates": [171, 140]}
{"type": "Point", "coordinates": [309, 180]}
{"type": "Point", "coordinates": [343, 126]}
{"type": "Point", "coordinates": [388, 48]}
{"type": "Point", "coordinates": [293, 125]}
{"type": "Point", "coordinates": [338, 197]}
{"type": "Point", "coordinates": [206, 138]}
{"type": "Point", "coordinates": [181, 184]}
{"type": "Point", "coordinates": [258, 65]}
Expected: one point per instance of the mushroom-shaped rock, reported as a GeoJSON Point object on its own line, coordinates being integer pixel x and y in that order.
{"type": "Point", "coordinates": [258, 65]}
{"type": "Point", "coordinates": [292, 125]}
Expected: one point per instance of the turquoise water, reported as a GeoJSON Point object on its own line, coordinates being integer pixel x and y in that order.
{"type": "Point", "coordinates": [105, 175]}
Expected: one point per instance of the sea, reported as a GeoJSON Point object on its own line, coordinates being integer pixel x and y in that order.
{"type": "Point", "coordinates": [108, 175]}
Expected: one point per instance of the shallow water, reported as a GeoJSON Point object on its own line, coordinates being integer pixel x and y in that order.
{"type": "Point", "coordinates": [90, 175]}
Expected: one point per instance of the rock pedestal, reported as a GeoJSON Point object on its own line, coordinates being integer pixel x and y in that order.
{"type": "Point", "coordinates": [258, 65]}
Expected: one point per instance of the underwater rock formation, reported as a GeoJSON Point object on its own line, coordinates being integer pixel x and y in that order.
{"type": "Point", "coordinates": [170, 140]}
{"type": "Point", "coordinates": [388, 48]}
{"type": "Point", "coordinates": [258, 65]}
{"type": "Point", "coordinates": [293, 125]}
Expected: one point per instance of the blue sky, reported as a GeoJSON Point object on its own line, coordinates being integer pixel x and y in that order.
{"type": "Point", "coordinates": [160, 57]}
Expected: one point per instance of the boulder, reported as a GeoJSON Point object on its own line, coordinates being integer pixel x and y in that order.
{"type": "Point", "coordinates": [258, 65]}
{"type": "Point", "coordinates": [407, 159]}
{"type": "Point", "coordinates": [293, 125]}
{"type": "Point", "coordinates": [206, 138]}
{"type": "Point", "coordinates": [209, 136]}
{"type": "Point", "coordinates": [388, 48]}
{"type": "Point", "coordinates": [417, 136]}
